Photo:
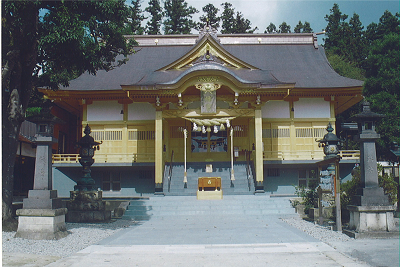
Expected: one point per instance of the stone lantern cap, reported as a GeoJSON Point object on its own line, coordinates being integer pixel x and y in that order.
{"type": "Point", "coordinates": [329, 138]}
{"type": "Point", "coordinates": [87, 140]}
{"type": "Point", "coordinates": [45, 122]}
{"type": "Point", "coordinates": [366, 114]}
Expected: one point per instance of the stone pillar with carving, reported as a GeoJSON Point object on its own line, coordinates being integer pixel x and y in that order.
{"type": "Point", "coordinates": [42, 215]}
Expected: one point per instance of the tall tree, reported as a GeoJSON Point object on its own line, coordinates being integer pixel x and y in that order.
{"type": "Point", "coordinates": [210, 17]}
{"type": "Point", "coordinates": [307, 27]}
{"type": "Point", "coordinates": [136, 18]}
{"type": "Point", "coordinates": [356, 46]}
{"type": "Point", "coordinates": [299, 27]}
{"type": "Point", "coordinates": [271, 28]}
{"type": "Point", "coordinates": [336, 31]}
{"type": "Point", "coordinates": [228, 18]}
{"type": "Point", "coordinates": [243, 25]}
{"type": "Point", "coordinates": [178, 17]}
{"type": "Point", "coordinates": [284, 28]}
{"type": "Point", "coordinates": [72, 37]}
{"type": "Point", "coordinates": [156, 14]}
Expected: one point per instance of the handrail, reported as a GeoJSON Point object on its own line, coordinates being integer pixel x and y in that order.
{"type": "Point", "coordinates": [248, 174]}
{"type": "Point", "coordinates": [170, 171]}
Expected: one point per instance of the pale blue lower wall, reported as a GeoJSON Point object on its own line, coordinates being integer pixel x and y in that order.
{"type": "Point", "coordinates": [135, 181]}
{"type": "Point", "coordinates": [285, 183]}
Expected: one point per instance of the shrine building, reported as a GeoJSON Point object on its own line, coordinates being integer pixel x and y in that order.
{"type": "Point", "coordinates": [244, 107]}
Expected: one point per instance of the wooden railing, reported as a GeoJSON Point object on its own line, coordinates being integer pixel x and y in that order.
{"type": "Point", "coordinates": [307, 155]}
{"type": "Point", "coordinates": [103, 158]}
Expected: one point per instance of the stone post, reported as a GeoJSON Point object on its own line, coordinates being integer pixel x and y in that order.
{"type": "Point", "coordinates": [42, 215]}
{"type": "Point", "coordinates": [371, 214]}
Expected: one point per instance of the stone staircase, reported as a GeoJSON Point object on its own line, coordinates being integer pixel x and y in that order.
{"type": "Point", "coordinates": [242, 185]}
{"type": "Point", "coordinates": [248, 205]}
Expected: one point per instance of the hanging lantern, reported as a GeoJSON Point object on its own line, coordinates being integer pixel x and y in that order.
{"type": "Point", "coordinates": [215, 129]}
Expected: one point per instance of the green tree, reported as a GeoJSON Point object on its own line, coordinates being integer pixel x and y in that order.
{"type": "Point", "coordinates": [284, 28]}
{"type": "Point", "coordinates": [307, 27]}
{"type": "Point", "coordinates": [228, 18]}
{"type": "Point", "coordinates": [271, 28]}
{"type": "Point", "coordinates": [356, 46]}
{"type": "Point", "coordinates": [72, 37]}
{"type": "Point", "coordinates": [156, 14]}
{"type": "Point", "coordinates": [178, 17]}
{"type": "Point", "coordinates": [136, 17]}
{"type": "Point", "coordinates": [299, 27]}
{"type": "Point", "coordinates": [210, 17]}
{"type": "Point", "coordinates": [243, 25]}
{"type": "Point", "coordinates": [336, 31]}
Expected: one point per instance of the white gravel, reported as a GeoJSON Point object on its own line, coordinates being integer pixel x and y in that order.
{"type": "Point", "coordinates": [323, 233]}
{"type": "Point", "coordinates": [81, 235]}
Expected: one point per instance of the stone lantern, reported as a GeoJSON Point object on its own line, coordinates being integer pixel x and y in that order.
{"type": "Point", "coordinates": [42, 215]}
{"type": "Point", "coordinates": [371, 213]}
{"type": "Point", "coordinates": [87, 147]}
{"type": "Point", "coordinates": [86, 203]}
{"type": "Point", "coordinates": [330, 143]}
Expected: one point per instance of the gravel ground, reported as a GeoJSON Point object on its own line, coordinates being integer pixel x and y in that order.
{"type": "Point", "coordinates": [80, 236]}
{"type": "Point", "coordinates": [84, 235]}
{"type": "Point", "coordinates": [323, 233]}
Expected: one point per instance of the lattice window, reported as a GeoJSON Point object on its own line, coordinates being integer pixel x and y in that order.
{"type": "Point", "coordinates": [176, 131]}
{"type": "Point", "coordinates": [319, 132]}
{"type": "Point", "coordinates": [107, 135]}
{"type": "Point", "coordinates": [111, 181]}
{"type": "Point", "coordinates": [141, 135]}
{"type": "Point", "coordinates": [276, 133]}
{"type": "Point", "coordinates": [240, 130]}
{"type": "Point", "coordinates": [304, 132]}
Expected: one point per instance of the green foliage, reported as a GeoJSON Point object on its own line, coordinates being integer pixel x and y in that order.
{"type": "Point", "coordinates": [389, 185]}
{"type": "Point", "coordinates": [309, 196]}
{"type": "Point", "coordinates": [349, 189]}
{"type": "Point", "coordinates": [271, 28]}
{"type": "Point", "coordinates": [344, 67]}
{"type": "Point", "coordinates": [232, 23]}
{"type": "Point", "coordinates": [156, 14]}
{"type": "Point", "coordinates": [32, 111]}
{"type": "Point", "coordinates": [136, 17]}
{"type": "Point", "coordinates": [178, 17]}
{"type": "Point", "coordinates": [284, 28]}
{"type": "Point", "coordinates": [210, 17]}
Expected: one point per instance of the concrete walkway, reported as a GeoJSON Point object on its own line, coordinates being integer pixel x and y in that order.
{"type": "Point", "coordinates": [234, 239]}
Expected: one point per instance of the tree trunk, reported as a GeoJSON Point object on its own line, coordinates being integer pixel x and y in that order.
{"type": "Point", "coordinates": [17, 86]}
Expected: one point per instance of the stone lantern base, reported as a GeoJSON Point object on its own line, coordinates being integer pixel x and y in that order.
{"type": "Point", "coordinates": [372, 222]}
{"type": "Point", "coordinates": [41, 224]}
{"type": "Point", "coordinates": [87, 207]}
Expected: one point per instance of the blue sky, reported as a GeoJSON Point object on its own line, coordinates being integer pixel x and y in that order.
{"type": "Point", "coordinates": [262, 12]}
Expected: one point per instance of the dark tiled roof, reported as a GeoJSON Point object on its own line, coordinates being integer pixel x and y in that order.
{"type": "Point", "coordinates": [303, 65]}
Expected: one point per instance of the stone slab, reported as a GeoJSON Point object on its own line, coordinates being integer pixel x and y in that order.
{"type": "Point", "coordinates": [209, 195]}
{"type": "Point", "coordinates": [79, 216]}
{"type": "Point", "coordinates": [42, 203]}
{"type": "Point", "coordinates": [42, 212]}
{"type": "Point", "coordinates": [43, 194]}
{"type": "Point", "coordinates": [371, 235]}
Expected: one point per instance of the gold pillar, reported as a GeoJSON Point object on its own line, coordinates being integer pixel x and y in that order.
{"type": "Point", "coordinates": [259, 159]}
{"type": "Point", "coordinates": [158, 153]}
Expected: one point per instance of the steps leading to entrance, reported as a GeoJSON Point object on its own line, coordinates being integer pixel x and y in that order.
{"type": "Point", "coordinates": [189, 205]}
{"type": "Point", "coordinates": [240, 186]}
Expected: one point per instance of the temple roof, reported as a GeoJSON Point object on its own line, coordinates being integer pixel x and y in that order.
{"type": "Point", "coordinates": [269, 60]}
